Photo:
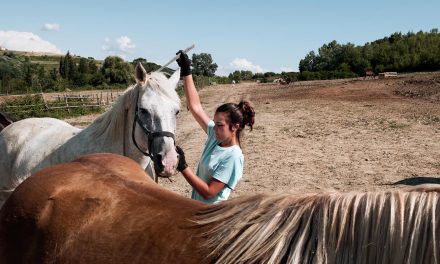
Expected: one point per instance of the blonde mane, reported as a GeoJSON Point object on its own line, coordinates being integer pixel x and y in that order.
{"type": "Point", "coordinates": [373, 227]}
{"type": "Point", "coordinates": [113, 120]}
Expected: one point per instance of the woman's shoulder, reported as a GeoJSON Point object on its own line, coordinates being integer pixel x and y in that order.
{"type": "Point", "coordinates": [235, 151]}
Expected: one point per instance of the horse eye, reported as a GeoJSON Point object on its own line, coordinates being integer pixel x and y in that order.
{"type": "Point", "coordinates": [144, 111]}
{"type": "Point", "coordinates": [177, 112]}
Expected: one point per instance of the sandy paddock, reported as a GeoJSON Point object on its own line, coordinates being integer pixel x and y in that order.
{"type": "Point", "coordinates": [327, 135]}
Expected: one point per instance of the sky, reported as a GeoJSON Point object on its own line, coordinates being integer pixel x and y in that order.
{"type": "Point", "coordinates": [259, 36]}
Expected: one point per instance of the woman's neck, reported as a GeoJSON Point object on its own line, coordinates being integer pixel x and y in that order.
{"type": "Point", "coordinates": [229, 143]}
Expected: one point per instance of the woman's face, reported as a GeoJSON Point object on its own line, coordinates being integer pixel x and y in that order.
{"type": "Point", "coordinates": [221, 128]}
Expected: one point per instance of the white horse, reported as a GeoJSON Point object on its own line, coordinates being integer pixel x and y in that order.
{"type": "Point", "coordinates": [141, 126]}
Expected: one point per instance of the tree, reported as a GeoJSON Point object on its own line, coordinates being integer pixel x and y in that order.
{"type": "Point", "coordinates": [83, 67]}
{"type": "Point", "coordinates": [246, 75]}
{"type": "Point", "coordinates": [115, 70]}
{"type": "Point", "coordinates": [93, 69]}
{"type": "Point", "coordinates": [203, 65]}
{"type": "Point", "coordinates": [308, 63]}
{"type": "Point", "coordinates": [141, 60]}
{"type": "Point", "coordinates": [236, 76]}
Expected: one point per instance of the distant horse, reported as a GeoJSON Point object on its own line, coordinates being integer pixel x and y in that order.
{"type": "Point", "coordinates": [279, 81]}
{"type": "Point", "coordinates": [140, 125]}
{"type": "Point", "coordinates": [103, 208]}
{"type": "Point", "coordinates": [369, 74]}
{"type": "Point", "coordinates": [5, 120]}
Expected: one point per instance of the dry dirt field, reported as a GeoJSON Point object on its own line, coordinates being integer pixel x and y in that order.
{"type": "Point", "coordinates": [327, 135]}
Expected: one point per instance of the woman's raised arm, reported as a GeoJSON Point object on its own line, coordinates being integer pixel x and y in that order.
{"type": "Point", "coordinates": [191, 94]}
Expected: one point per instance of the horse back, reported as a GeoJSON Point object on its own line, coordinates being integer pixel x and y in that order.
{"type": "Point", "coordinates": [102, 208]}
{"type": "Point", "coordinates": [24, 145]}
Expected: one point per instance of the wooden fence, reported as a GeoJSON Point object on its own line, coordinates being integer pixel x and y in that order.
{"type": "Point", "coordinates": [384, 75]}
{"type": "Point", "coordinates": [66, 101]}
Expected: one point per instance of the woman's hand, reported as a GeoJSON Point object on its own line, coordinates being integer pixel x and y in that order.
{"type": "Point", "coordinates": [184, 63]}
{"type": "Point", "coordinates": [182, 162]}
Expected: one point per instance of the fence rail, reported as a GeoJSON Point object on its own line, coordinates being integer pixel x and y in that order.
{"type": "Point", "coordinates": [66, 101]}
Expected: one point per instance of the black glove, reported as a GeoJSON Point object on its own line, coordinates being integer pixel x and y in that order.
{"type": "Point", "coordinates": [185, 64]}
{"type": "Point", "coordinates": [182, 162]}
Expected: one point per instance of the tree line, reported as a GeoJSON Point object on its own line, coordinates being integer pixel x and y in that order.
{"type": "Point", "coordinates": [399, 52]}
{"type": "Point", "coordinates": [20, 74]}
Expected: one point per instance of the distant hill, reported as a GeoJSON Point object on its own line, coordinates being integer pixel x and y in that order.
{"type": "Point", "coordinates": [33, 53]}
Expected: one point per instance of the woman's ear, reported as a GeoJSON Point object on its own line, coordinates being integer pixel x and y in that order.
{"type": "Point", "coordinates": [235, 127]}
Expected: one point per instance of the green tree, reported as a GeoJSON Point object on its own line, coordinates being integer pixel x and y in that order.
{"type": "Point", "coordinates": [203, 65]}
{"type": "Point", "coordinates": [246, 75]}
{"type": "Point", "coordinates": [308, 63]}
{"type": "Point", "coordinates": [235, 76]}
{"type": "Point", "coordinates": [83, 66]}
{"type": "Point", "coordinates": [116, 71]}
{"type": "Point", "coordinates": [399, 52]}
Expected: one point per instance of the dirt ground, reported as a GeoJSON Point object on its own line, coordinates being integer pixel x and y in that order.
{"type": "Point", "coordinates": [327, 135]}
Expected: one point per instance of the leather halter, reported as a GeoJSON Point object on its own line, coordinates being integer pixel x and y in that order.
{"type": "Point", "coordinates": [150, 135]}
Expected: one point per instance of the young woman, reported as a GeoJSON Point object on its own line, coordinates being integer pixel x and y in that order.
{"type": "Point", "coordinates": [221, 164]}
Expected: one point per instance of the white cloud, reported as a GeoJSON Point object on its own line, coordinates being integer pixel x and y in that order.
{"type": "Point", "coordinates": [238, 64]}
{"type": "Point", "coordinates": [26, 41]}
{"type": "Point", "coordinates": [51, 27]}
{"type": "Point", "coordinates": [106, 47]}
{"type": "Point", "coordinates": [118, 47]}
{"type": "Point", "coordinates": [122, 44]}
{"type": "Point", "coordinates": [222, 71]}
{"type": "Point", "coordinates": [125, 44]}
{"type": "Point", "coordinates": [241, 64]}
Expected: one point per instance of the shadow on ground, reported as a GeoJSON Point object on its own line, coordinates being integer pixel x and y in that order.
{"type": "Point", "coordinates": [417, 181]}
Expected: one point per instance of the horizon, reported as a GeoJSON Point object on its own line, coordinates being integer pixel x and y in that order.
{"type": "Point", "coordinates": [257, 37]}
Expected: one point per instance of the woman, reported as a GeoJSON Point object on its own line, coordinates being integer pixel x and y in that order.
{"type": "Point", "coordinates": [221, 165]}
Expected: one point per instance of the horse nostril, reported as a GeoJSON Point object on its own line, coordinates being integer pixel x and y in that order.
{"type": "Point", "coordinates": [159, 161]}
{"type": "Point", "coordinates": [159, 158]}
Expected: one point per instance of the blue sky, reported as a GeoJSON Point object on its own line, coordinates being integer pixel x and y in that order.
{"type": "Point", "coordinates": [240, 35]}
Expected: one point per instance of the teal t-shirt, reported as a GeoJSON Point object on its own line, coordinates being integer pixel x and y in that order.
{"type": "Point", "coordinates": [222, 164]}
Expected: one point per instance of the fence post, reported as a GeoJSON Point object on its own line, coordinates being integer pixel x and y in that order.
{"type": "Point", "coordinates": [44, 101]}
{"type": "Point", "coordinates": [67, 104]}
{"type": "Point", "coordinates": [81, 99]}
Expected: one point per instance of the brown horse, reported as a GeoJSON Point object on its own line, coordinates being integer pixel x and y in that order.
{"type": "Point", "coordinates": [5, 120]}
{"type": "Point", "coordinates": [369, 74]}
{"type": "Point", "coordinates": [103, 208]}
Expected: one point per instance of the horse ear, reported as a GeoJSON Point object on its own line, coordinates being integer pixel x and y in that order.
{"type": "Point", "coordinates": [174, 79]}
{"type": "Point", "coordinates": [140, 73]}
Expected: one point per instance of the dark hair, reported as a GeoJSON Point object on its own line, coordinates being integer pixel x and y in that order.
{"type": "Point", "coordinates": [242, 113]}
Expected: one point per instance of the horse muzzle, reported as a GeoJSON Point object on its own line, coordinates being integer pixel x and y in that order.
{"type": "Point", "coordinates": [165, 166]}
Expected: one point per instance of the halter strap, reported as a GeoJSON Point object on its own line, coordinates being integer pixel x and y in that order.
{"type": "Point", "coordinates": [150, 135]}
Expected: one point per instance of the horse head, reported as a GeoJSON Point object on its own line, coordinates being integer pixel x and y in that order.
{"type": "Point", "coordinates": [154, 126]}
